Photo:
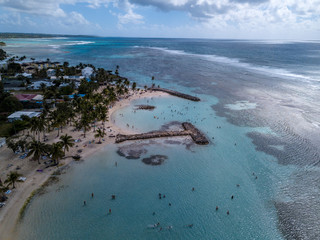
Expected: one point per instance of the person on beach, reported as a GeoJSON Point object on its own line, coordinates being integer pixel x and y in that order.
{"type": "Point", "coordinates": [84, 203]}
{"type": "Point", "coordinates": [192, 189]}
{"type": "Point", "coordinates": [232, 197]}
{"type": "Point", "coordinates": [217, 208]}
{"type": "Point", "coordinates": [92, 195]}
{"type": "Point", "coordinates": [109, 210]}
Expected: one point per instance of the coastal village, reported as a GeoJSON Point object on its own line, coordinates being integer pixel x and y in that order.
{"type": "Point", "coordinates": [51, 111]}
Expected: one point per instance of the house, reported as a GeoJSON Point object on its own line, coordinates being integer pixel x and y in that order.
{"type": "Point", "coordinates": [37, 84]}
{"type": "Point", "coordinates": [51, 72]}
{"type": "Point", "coordinates": [74, 78]}
{"type": "Point", "coordinates": [87, 72]}
{"type": "Point", "coordinates": [17, 115]}
{"type": "Point", "coordinates": [27, 75]}
{"type": "Point", "coordinates": [30, 69]}
{"type": "Point", "coordinates": [25, 97]}
{"type": "Point", "coordinates": [30, 100]}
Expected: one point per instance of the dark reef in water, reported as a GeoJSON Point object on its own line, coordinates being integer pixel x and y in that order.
{"type": "Point", "coordinates": [155, 160]}
{"type": "Point", "coordinates": [132, 151]}
{"type": "Point", "coordinates": [293, 152]}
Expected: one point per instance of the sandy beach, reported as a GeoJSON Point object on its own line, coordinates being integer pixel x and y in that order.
{"type": "Point", "coordinates": [9, 161]}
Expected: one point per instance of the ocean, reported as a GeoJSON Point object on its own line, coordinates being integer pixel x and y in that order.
{"type": "Point", "coordinates": [260, 109]}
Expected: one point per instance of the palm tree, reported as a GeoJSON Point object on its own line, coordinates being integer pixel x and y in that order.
{"type": "Point", "coordinates": [84, 123]}
{"type": "Point", "coordinates": [103, 116]}
{"type": "Point", "coordinates": [42, 126]}
{"type": "Point", "coordinates": [134, 85]}
{"type": "Point", "coordinates": [34, 123]}
{"type": "Point", "coordinates": [12, 177]}
{"type": "Point", "coordinates": [37, 148]}
{"type": "Point", "coordinates": [100, 134]}
{"type": "Point", "coordinates": [66, 142]}
{"type": "Point", "coordinates": [56, 152]}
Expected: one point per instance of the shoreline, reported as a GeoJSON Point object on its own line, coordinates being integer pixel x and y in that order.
{"type": "Point", "coordinates": [9, 214]}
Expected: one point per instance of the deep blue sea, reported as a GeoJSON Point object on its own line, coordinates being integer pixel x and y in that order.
{"type": "Point", "coordinates": [260, 108]}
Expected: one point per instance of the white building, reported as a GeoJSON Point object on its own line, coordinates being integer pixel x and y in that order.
{"type": "Point", "coordinates": [87, 72]}
{"type": "Point", "coordinates": [17, 115]}
{"type": "Point", "coordinates": [37, 85]}
{"type": "Point", "coordinates": [51, 72]}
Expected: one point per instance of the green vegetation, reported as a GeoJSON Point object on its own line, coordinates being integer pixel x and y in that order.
{"type": "Point", "coordinates": [6, 129]}
{"type": "Point", "coordinates": [3, 54]}
{"type": "Point", "coordinates": [2, 44]}
{"type": "Point", "coordinates": [100, 134]}
{"type": "Point", "coordinates": [26, 203]}
{"type": "Point", "coordinates": [56, 152]}
{"type": "Point", "coordinates": [12, 178]}
{"type": "Point", "coordinates": [36, 149]}
{"type": "Point", "coordinates": [66, 142]}
{"type": "Point", "coordinates": [10, 104]}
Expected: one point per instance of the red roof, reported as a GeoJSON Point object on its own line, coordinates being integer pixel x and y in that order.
{"type": "Point", "coordinates": [25, 97]}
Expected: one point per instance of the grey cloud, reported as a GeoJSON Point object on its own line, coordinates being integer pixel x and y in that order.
{"type": "Point", "coordinates": [252, 2]}
{"type": "Point", "coordinates": [200, 11]}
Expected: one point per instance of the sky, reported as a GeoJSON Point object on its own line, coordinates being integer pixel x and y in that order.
{"type": "Point", "coordinates": [228, 19]}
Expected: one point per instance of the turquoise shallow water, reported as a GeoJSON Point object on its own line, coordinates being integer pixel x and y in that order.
{"type": "Point", "coordinates": [213, 171]}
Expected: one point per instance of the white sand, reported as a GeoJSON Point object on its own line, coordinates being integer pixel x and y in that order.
{"type": "Point", "coordinates": [10, 212]}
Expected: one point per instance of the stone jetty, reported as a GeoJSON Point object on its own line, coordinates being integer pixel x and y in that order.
{"type": "Point", "coordinates": [177, 94]}
{"type": "Point", "coordinates": [189, 130]}
{"type": "Point", "coordinates": [197, 136]}
{"type": "Point", "coordinates": [145, 107]}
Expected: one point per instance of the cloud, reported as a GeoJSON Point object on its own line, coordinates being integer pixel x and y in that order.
{"type": "Point", "coordinates": [130, 17]}
{"type": "Point", "coordinates": [75, 18]}
{"type": "Point", "coordinates": [35, 7]}
{"type": "Point", "coordinates": [207, 16]}
{"type": "Point", "coordinates": [10, 19]}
